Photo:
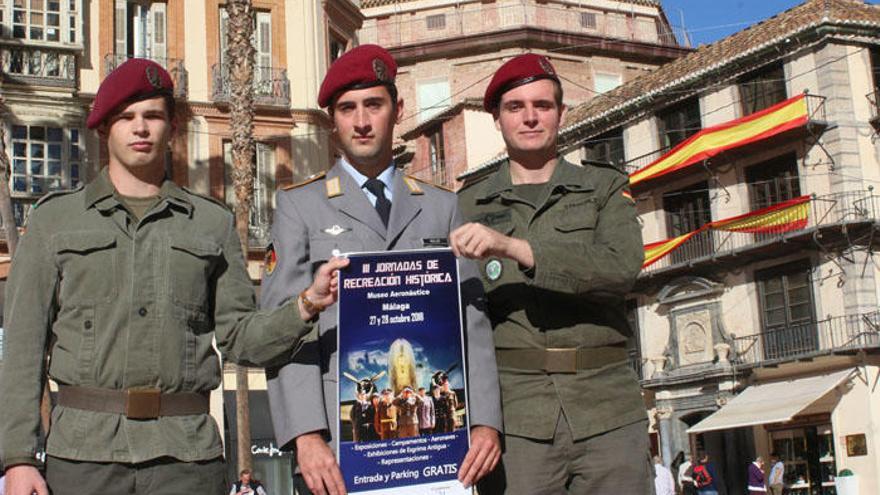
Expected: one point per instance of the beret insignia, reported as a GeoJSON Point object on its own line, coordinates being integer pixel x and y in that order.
{"type": "Point", "coordinates": [546, 66]}
{"type": "Point", "coordinates": [380, 69]}
{"type": "Point", "coordinates": [153, 76]}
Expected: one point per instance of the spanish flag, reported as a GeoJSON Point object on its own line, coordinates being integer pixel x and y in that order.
{"type": "Point", "coordinates": [784, 116]}
{"type": "Point", "coordinates": [776, 219]}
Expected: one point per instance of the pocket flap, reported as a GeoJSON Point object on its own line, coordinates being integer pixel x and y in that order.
{"type": "Point", "coordinates": [83, 242]}
{"type": "Point", "coordinates": [196, 246]}
{"type": "Point", "coordinates": [585, 219]}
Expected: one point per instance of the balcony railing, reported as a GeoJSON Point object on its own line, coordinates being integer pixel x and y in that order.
{"type": "Point", "coordinates": [38, 66]}
{"type": "Point", "coordinates": [174, 66]}
{"type": "Point", "coordinates": [816, 114]}
{"type": "Point", "coordinates": [805, 340]}
{"type": "Point", "coordinates": [271, 86]}
{"type": "Point", "coordinates": [824, 211]}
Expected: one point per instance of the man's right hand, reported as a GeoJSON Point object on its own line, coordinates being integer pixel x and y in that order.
{"type": "Point", "coordinates": [318, 465]}
{"type": "Point", "coordinates": [25, 480]}
{"type": "Point", "coordinates": [324, 289]}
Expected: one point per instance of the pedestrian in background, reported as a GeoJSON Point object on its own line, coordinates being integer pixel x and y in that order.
{"type": "Point", "coordinates": [705, 477]}
{"type": "Point", "coordinates": [757, 485]}
{"type": "Point", "coordinates": [686, 476]}
{"type": "Point", "coordinates": [777, 474]}
{"type": "Point", "coordinates": [664, 484]}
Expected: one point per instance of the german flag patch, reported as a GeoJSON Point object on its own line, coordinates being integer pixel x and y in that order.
{"type": "Point", "coordinates": [627, 195]}
{"type": "Point", "coordinates": [271, 259]}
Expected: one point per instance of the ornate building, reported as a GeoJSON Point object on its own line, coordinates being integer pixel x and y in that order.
{"type": "Point", "coordinates": [753, 162]}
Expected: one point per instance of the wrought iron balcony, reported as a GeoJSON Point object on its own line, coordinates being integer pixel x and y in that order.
{"type": "Point", "coordinates": [711, 246]}
{"type": "Point", "coordinates": [802, 341]}
{"type": "Point", "coordinates": [174, 66]}
{"type": "Point", "coordinates": [38, 66]}
{"type": "Point", "coordinates": [271, 85]}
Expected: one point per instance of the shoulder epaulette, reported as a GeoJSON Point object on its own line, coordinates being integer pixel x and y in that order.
{"type": "Point", "coordinates": [308, 180]}
{"type": "Point", "coordinates": [57, 194]}
{"type": "Point", "coordinates": [604, 165]}
{"type": "Point", "coordinates": [424, 181]}
{"type": "Point", "coordinates": [472, 182]}
{"type": "Point", "coordinates": [207, 197]}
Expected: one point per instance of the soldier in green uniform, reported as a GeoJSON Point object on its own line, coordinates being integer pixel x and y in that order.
{"type": "Point", "coordinates": [125, 283]}
{"type": "Point", "coordinates": [559, 246]}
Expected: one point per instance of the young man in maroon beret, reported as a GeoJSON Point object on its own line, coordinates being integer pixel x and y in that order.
{"type": "Point", "coordinates": [363, 203]}
{"type": "Point", "coordinates": [131, 278]}
{"type": "Point", "coordinates": [558, 247]}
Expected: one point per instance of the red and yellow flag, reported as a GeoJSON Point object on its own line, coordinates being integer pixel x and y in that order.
{"type": "Point", "coordinates": [781, 217]}
{"type": "Point", "coordinates": [789, 114]}
{"type": "Point", "coordinates": [776, 219]}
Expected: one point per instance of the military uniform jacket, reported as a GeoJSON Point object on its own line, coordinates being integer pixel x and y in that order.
{"type": "Point", "coordinates": [332, 212]}
{"type": "Point", "coordinates": [128, 305]}
{"type": "Point", "coordinates": [588, 251]}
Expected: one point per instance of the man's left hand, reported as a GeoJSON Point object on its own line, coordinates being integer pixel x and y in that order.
{"type": "Point", "coordinates": [482, 457]}
{"type": "Point", "coordinates": [476, 241]}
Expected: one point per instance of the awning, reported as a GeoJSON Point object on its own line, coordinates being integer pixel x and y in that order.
{"type": "Point", "coordinates": [775, 402]}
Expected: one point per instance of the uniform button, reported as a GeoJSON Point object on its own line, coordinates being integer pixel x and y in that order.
{"type": "Point", "coordinates": [142, 311]}
{"type": "Point", "coordinates": [87, 324]}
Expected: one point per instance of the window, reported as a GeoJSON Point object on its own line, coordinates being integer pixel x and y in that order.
{"type": "Point", "coordinates": [264, 184]}
{"type": "Point", "coordinates": [437, 157]}
{"type": "Point", "coordinates": [606, 82]}
{"type": "Point", "coordinates": [433, 98]}
{"type": "Point", "coordinates": [262, 42]}
{"type": "Point", "coordinates": [606, 148]}
{"type": "Point", "coordinates": [588, 20]}
{"type": "Point", "coordinates": [37, 20]}
{"type": "Point", "coordinates": [436, 21]}
{"type": "Point", "coordinates": [687, 210]}
{"type": "Point", "coordinates": [762, 89]}
{"type": "Point", "coordinates": [679, 122]}
{"type": "Point", "coordinates": [44, 159]}
{"type": "Point", "coordinates": [338, 46]}
{"type": "Point", "coordinates": [139, 30]}
{"type": "Point", "coordinates": [773, 181]}
{"type": "Point", "coordinates": [788, 320]}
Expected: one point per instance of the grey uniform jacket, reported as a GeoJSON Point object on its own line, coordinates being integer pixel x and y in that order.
{"type": "Point", "coordinates": [332, 212]}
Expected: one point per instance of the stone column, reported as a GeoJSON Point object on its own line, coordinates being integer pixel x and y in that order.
{"type": "Point", "coordinates": [664, 422]}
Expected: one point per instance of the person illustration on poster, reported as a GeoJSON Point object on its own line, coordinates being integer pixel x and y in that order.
{"type": "Point", "coordinates": [407, 404]}
{"type": "Point", "coordinates": [402, 366]}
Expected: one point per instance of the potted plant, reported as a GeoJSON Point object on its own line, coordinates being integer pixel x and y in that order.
{"type": "Point", "coordinates": [846, 483]}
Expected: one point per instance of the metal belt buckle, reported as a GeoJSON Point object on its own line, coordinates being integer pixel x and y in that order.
{"type": "Point", "coordinates": [560, 360]}
{"type": "Point", "coordinates": [142, 403]}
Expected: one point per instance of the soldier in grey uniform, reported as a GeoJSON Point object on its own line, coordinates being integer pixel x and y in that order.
{"type": "Point", "coordinates": [363, 203]}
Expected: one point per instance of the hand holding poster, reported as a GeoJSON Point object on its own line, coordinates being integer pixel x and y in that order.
{"type": "Point", "coordinates": [403, 424]}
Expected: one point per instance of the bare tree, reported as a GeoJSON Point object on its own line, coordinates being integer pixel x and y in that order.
{"type": "Point", "coordinates": [240, 53]}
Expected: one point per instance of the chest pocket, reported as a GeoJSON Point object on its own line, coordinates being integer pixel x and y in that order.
{"type": "Point", "coordinates": [88, 264]}
{"type": "Point", "coordinates": [578, 219]}
{"type": "Point", "coordinates": [191, 265]}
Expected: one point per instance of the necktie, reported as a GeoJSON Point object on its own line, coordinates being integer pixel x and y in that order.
{"type": "Point", "coordinates": [383, 206]}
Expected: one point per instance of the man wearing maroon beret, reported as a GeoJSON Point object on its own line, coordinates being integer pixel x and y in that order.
{"type": "Point", "coordinates": [363, 203]}
{"type": "Point", "coordinates": [558, 247]}
{"type": "Point", "coordinates": [131, 278]}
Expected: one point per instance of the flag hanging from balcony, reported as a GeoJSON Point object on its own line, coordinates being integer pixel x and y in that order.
{"type": "Point", "coordinates": [776, 219]}
{"type": "Point", "coordinates": [657, 250]}
{"type": "Point", "coordinates": [784, 116]}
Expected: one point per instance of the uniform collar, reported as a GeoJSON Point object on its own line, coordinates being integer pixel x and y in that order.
{"type": "Point", "coordinates": [387, 176]}
{"type": "Point", "coordinates": [102, 194]}
{"type": "Point", "coordinates": [566, 175]}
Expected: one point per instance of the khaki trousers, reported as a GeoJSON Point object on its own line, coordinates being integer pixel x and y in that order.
{"type": "Point", "coordinates": [615, 462]}
{"type": "Point", "coordinates": [776, 489]}
{"type": "Point", "coordinates": [164, 476]}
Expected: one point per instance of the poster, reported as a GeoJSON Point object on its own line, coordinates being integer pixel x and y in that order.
{"type": "Point", "coordinates": [400, 354]}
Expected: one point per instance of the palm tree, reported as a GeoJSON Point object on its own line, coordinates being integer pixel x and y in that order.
{"type": "Point", "coordinates": [240, 53]}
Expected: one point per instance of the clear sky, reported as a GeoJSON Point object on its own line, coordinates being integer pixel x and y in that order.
{"type": "Point", "coordinates": [709, 20]}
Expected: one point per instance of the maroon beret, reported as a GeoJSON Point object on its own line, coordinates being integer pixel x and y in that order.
{"type": "Point", "coordinates": [136, 79]}
{"type": "Point", "coordinates": [361, 67]}
{"type": "Point", "coordinates": [517, 71]}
